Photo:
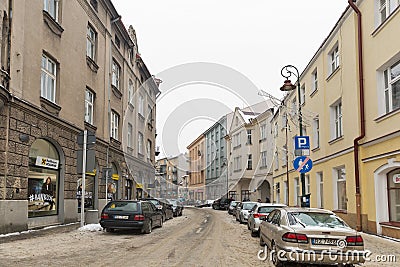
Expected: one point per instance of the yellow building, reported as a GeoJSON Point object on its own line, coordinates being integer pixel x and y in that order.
{"type": "Point", "coordinates": [197, 166]}
{"type": "Point", "coordinates": [350, 104]}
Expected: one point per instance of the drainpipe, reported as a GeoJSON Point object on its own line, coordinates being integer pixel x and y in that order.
{"type": "Point", "coordinates": [362, 116]}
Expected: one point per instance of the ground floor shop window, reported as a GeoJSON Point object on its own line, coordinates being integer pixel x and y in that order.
{"type": "Point", "coordinates": [232, 195]}
{"type": "Point", "coordinates": [89, 192]}
{"type": "Point", "coordinates": [245, 195]}
{"type": "Point", "coordinates": [128, 189]}
{"type": "Point", "coordinates": [43, 179]}
{"type": "Point", "coordinates": [394, 195]}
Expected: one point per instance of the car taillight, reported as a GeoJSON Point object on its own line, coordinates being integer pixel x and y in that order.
{"type": "Point", "coordinates": [104, 216]}
{"type": "Point", "coordinates": [138, 217]}
{"type": "Point", "coordinates": [354, 240]}
{"type": "Point", "coordinates": [295, 238]}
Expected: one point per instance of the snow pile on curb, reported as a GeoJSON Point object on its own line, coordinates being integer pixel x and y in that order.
{"type": "Point", "coordinates": [91, 228]}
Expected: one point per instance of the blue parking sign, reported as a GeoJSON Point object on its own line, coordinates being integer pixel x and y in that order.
{"type": "Point", "coordinates": [301, 142]}
{"type": "Point", "coordinates": [302, 164]}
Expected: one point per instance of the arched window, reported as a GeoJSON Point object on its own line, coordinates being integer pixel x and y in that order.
{"type": "Point", "coordinates": [43, 179]}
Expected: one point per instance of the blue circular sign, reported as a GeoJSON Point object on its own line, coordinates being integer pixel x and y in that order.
{"type": "Point", "coordinates": [302, 164]}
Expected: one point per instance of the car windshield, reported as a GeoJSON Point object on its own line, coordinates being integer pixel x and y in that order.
{"type": "Point", "coordinates": [122, 206]}
{"type": "Point", "coordinates": [155, 202]}
{"type": "Point", "coordinates": [265, 209]}
{"type": "Point", "coordinates": [316, 219]}
{"type": "Point", "coordinates": [248, 206]}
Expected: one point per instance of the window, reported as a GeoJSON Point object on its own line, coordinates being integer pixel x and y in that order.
{"type": "Point", "coordinates": [140, 143]}
{"type": "Point", "coordinates": [285, 196]}
{"type": "Point", "coordinates": [284, 155]}
{"type": "Point", "coordinates": [89, 102]}
{"type": "Point", "coordinates": [392, 87]}
{"type": "Point", "coordinates": [248, 137]}
{"type": "Point", "coordinates": [296, 192]}
{"type": "Point", "coordinates": [94, 4]}
{"type": "Point", "coordinates": [51, 7]}
{"type": "Point", "coordinates": [130, 91]}
{"type": "Point", "coordinates": [237, 163]}
{"type": "Point", "coordinates": [303, 94]}
{"type": "Point", "coordinates": [116, 72]}
{"type": "Point", "coordinates": [284, 120]}
{"type": "Point", "coordinates": [385, 8]}
{"type": "Point", "coordinates": [314, 76]}
{"type": "Point", "coordinates": [117, 41]}
{"type": "Point", "coordinates": [278, 192]}
{"type": "Point", "coordinates": [150, 111]}
{"type": "Point", "coordinates": [341, 188]}
{"type": "Point", "coordinates": [148, 148]}
{"type": "Point", "coordinates": [320, 190]}
{"type": "Point", "coordinates": [276, 160]}
{"type": "Point", "coordinates": [336, 120]}
{"type": "Point", "coordinates": [114, 125]}
{"type": "Point", "coordinates": [264, 159]}
{"type": "Point", "coordinates": [307, 183]}
{"type": "Point", "coordinates": [91, 37]}
{"type": "Point", "coordinates": [236, 140]}
{"type": "Point", "coordinates": [249, 162]}
{"type": "Point", "coordinates": [141, 105]}
{"type": "Point", "coordinates": [393, 183]}
{"type": "Point", "coordinates": [334, 59]}
{"type": "Point", "coordinates": [263, 130]}
{"type": "Point", "coordinates": [316, 132]}
{"type": "Point", "coordinates": [48, 79]}
{"type": "Point", "coordinates": [130, 128]}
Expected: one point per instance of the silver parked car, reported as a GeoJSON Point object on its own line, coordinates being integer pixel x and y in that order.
{"type": "Point", "coordinates": [308, 235]}
{"type": "Point", "coordinates": [242, 211]}
{"type": "Point", "coordinates": [259, 211]}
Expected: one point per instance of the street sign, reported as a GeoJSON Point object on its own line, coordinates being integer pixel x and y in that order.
{"type": "Point", "coordinates": [301, 142]}
{"type": "Point", "coordinates": [302, 164]}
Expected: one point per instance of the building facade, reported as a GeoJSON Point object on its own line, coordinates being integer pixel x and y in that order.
{"type": "Point", "coordinates": [197, 167]}
{"type": "Point", "coordinates": [70, 66]}
{"type": "Point", "coordinates": [350, 105]}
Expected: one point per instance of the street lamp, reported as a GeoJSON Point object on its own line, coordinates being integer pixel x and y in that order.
{"type": "Point", "coordinates": [286, 72]}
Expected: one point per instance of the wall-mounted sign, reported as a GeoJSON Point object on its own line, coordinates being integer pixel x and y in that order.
{"type": "Point", "coordinates": [46, 162]}
{"type": "Point", "coordinates": [396, 178]}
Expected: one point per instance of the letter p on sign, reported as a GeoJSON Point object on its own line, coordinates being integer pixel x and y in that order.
{"type": "Point", "coordinates": [302, 142]}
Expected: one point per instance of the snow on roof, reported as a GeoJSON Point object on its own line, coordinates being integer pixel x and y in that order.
{"type": "Point", "coordinates": [248, 116]}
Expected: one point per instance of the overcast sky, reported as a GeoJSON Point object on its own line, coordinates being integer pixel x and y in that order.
{"type": "Point", "coordinates": [255, 38]}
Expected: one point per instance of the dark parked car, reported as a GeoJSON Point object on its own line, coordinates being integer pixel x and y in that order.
{"type": "Point", "coordinates": [177, 207]}
{"type": "Point", "coordinates": [221, 204]}
{"type": "Point", "coordinates": [232, 207]}
{"type": "Point", "coordinates": [130, 214]}
{"type": "Point", "coordinates": [163, 205]}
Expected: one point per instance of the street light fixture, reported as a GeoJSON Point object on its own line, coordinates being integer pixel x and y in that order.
{"type": "Point", "coordinates": [286, 72]}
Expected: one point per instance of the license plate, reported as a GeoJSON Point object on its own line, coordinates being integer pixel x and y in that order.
{"type": "Point", "coordinates": [324, 241]}
{"type": "Point", "coordinates": [121, 217]}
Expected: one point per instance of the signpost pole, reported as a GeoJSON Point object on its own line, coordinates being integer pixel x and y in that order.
{"type": "Point", "coordinates": [83, 178]}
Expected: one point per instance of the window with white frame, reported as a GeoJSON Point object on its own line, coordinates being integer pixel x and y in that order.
{"type": "Point", "coordinates": [114, 125]}
{"type": "Point", "coordinates": [284, 120]}
{"type": "Point", "coordinates": [297, 196]}
{"type": "Point", "coordinates": [336, 120]}
{"type": "Point", "coordinates": [129, 137]}
{"type": "Point", "coordinates": [236, 140]}
{"type": "Point", "coordinates": [276, 160]}
{"type": "Point", "coordinates": [263, 130]}
{"type": "Point", "coordinates": [48, 79]}
{"type": "Point", "coordinates": [320, 190]}
{"type": "Point", "coordinates": [264, 159]}
{"type": "Point", "coordinates": [278, 192]}
{"type": "Point", "coordinates": [303, 94]}
{"type": "Point", "coordinates": [284, 155]}
{"type": "Point", "coordinates": [392, 87]}
{"type": "Point", "coordinates": [341, 193]}
{"type": "Point", "coordinates": [307, 183]}
{"type": "Point", "coordinates": [248, 137]}
{"type": "Point", "coordinates": [249, 161]}
{"type": "Point", "coordinates": [51, 7]}
{"type": "Point", "coordinates": [385, 8]}
{"type": "Point", "coordinates": [334, 59]}
{"type": "Point", "coordinates": [141, 105]}
{"type": "Point", "coordinates": [237, 163]}
{"type": "Point", "coordinates": [285, 196]}
{"type": "Point", "coordinates": [316, 132]}
{"type": "Point", "coordinates": [116, 72]}
{"type": "Point", "coordinates": [314, 77]}
{"type": "Point", "coordinates": [89, 104]}
{"type": "Point", "coordinates": [148, 148]}
{"type": "Point", "coordinates": [130, 91]}
{"type": "Point", "coordinates": [91, 37]}
{"type": "Point", "coordinates": [140, 143]}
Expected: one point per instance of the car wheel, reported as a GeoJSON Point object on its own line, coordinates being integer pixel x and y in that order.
{"type": "Point", "coordinates": [274, 256]}
{"type": "Point", "coordinates": [248, 226]}
{"type": "Point", "coordinates": [109, 230]}
{"type": "Point", "coordinates": [148, 227]}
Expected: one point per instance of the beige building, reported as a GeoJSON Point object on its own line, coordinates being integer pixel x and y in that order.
{"type": "Point", "coordinates": [350, 103]}
{"type": "Point", "coordinates": [70, 66]}
{"type": "Point", "coordinates": [197, 167]}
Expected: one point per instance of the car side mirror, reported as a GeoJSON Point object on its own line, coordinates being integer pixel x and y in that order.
{"type": "Point", "coordinates": [159, 207]}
